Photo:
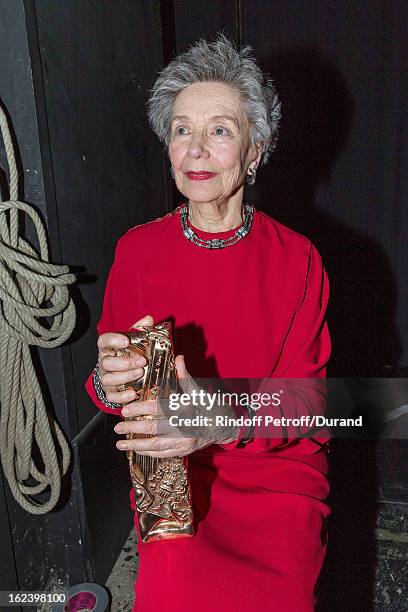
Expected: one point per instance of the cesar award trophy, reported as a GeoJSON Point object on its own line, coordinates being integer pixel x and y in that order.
{"type": "Point", "coordinates": [162, 491]}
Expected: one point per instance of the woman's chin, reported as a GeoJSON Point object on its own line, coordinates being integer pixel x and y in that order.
{"type": "Point", "coordinates": [201, 195]}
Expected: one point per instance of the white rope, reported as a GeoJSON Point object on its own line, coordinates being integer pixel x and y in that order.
{"type": "Point", "coordinates": [31, 288]}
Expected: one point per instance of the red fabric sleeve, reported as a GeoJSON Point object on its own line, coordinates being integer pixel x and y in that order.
{"type": "Point", "coordinates": [304, 356]}
{"type": "Point", "coordinates": [307, 347]}
{"type": "Point", "coordinates": [107, 323]}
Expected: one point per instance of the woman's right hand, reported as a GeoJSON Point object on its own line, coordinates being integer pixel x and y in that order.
{"type": "Point", "coordinates": [114, 371]}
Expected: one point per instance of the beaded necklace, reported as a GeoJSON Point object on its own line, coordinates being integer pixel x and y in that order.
{"type": "Point", "coordinates": [217, 243]}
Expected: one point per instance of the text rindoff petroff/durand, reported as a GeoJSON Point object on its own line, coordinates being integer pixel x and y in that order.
{"type": "Point", "coordinates": [311, 421]}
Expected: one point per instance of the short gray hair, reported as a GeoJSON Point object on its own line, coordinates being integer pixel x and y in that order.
{"type": "Point", "coordinates": [221, 62]}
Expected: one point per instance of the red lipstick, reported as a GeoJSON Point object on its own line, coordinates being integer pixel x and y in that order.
{"type": "Point", "coordinates": [200, 176]}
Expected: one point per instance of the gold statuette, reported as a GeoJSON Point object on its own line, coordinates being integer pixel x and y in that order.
{"type": "Point", "coordinates": [162, 491]}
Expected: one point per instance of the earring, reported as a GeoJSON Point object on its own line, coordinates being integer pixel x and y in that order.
{"type": "Point", "coordinates": [172, 172]}
{"type": "Point", "coordinates": [251, 176]}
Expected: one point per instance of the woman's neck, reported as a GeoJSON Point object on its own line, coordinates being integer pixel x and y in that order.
{"type": "Point", "coordinates": [216, 216]}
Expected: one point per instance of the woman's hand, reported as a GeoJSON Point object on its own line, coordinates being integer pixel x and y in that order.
{"type": "Point", "coordinates": [168, 440]}
{"type": "Point", "coordinates": [115, 371]}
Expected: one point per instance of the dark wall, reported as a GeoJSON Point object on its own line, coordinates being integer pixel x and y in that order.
{"type": "Point", "coordinates": [75, 77]}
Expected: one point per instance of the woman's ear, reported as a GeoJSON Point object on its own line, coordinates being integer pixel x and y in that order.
{"type": "Point", "coordinates": [259, 149]}
{"type": "Point", "coordinates": [256, 154]}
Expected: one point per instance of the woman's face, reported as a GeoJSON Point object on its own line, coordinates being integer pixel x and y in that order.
{"type": "Point", "coordinates": [210, 148]}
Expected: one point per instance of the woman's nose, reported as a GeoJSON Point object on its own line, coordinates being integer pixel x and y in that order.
{"type": "Point", "coordinates": [198, 147]}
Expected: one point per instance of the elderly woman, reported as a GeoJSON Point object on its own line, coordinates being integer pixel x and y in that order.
{"type": "Point", "coordinates": [248, 297]}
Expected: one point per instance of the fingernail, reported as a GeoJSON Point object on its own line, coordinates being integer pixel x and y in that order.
{"type": "Point", "coordinates": [121, 445]}
{"type": "Point", "coordinates": [125, 411]}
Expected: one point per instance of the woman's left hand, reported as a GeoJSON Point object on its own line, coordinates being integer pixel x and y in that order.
{"type": "Point", "coordinates": [166, 440]}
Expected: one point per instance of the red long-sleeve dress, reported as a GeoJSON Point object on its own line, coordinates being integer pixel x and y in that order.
{"type": "Point", "coordinates": [253, 310]}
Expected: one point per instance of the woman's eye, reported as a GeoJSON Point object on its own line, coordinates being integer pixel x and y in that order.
{"type": "Point", "coordinates": [181, 131]}
{"type": "Point", "coordinates": [221, 131]}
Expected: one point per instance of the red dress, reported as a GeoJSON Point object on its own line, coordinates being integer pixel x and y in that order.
{"type": "Point", "coordinates": [253, 310]}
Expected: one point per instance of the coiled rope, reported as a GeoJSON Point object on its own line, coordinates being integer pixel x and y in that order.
{"type": "Point", "coordinates": [31, 289]}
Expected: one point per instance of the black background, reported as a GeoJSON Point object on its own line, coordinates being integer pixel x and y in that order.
{"type": "Point", "coordinates": [74, 78]}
